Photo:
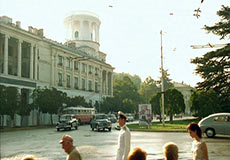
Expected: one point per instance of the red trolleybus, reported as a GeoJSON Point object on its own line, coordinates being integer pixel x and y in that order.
{"type": "Point", "coordinates": [84, 115]}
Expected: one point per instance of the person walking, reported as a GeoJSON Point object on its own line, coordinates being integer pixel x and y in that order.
{"type": "Point", "coordinates": [199, 148]}
{"type": "Point", "coordinates": [69, 148]}
{"type": "Point", "coordinates": [124, 138]}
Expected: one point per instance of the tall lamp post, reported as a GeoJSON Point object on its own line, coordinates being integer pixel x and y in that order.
{"type": "Point", "coordinates": [162, 83]}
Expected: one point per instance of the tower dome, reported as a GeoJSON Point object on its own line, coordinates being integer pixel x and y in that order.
{"type": "Point", "coordinates": [83, 29]}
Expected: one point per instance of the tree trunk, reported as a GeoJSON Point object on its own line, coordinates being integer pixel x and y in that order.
{"type": "Point", "coordinates": [51, 119]}
{"type": "Point", "coordinates": [11, 122]}
{"type": "Point", "coordinates": [171, 117]}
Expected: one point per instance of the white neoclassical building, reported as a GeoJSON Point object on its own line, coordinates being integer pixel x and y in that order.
{"type": "Point", "coordinates": [186, 91]}
{"type": "Point", "coordinates": [29, 60]}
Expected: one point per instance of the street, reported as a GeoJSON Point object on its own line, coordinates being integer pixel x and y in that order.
{"type": "Point", "coordinates": [43, 143]}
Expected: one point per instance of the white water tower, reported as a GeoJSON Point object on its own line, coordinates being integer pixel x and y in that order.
{"type": "Point", "coordinates": [83, 29]}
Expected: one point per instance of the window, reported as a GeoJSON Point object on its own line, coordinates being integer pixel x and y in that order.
{"type": "Point", "coordinates": [76, 64]}
{"type": "Point", "coordinates": [59, 79]}
{"type": "Point", "coordinates": [90, 85]}
{"type": "Point", "coordinates": [76, 34]}
{"type": "Point", "coordinates": [10, 51]}
{"type": "Point", "coordinates": [60, 60]}
{"type": "Point", "coordinates": [83, 84]}
{"type": "Point", "coordinates": [67, 63]}
{"type": "Point", "coordinates": [83, 67]}
{"type": "Point", "coordinates": [96, 71]}
{"type": "Point", "coordinates": [90, 69]}
{"type": "Point", "coordinates": [68, 81]}
{"type": "Point", "coordinates": [96, 87]}
{"type": "Point", "coordinates": [219, 119]}
{"type": "Point", "coordinates": [75, 82]}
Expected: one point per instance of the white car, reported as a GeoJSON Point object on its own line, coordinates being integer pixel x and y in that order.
{"type": "Point", "coordinates": [130, 117]}
{"type": "Point", "coordinates": [218, 123]}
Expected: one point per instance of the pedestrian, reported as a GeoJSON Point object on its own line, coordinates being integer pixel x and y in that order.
{"type": "Point", "coordinates": [124, 138]}
{"type": "Point", "coordinates": [199, 147]}
{"type": "Point", "coordinates": [170, 150]}
{"type": "Point", "coordinates": [70, 149]}
{"type": "Point", "coordinates": [137, 154]}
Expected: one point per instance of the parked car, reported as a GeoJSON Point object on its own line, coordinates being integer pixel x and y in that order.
{"type": "Point", "coordinates": [218, 123]}
{"type": "Point", "coordinates": [112, 118]}
{"type": "Point", "coordinates": [67, 122]}
{"type": "Point", "coordinates": [130, 117]}
{"type": "Point", "coordinates": [100, 121]}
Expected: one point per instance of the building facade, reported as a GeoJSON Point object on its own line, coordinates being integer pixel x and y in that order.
{"type": "Point", "coordinates": [186, 91]}
{"type": "Point", "coordinates": [29, 60]}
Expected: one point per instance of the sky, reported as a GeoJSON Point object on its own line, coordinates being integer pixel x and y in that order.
{"type": "Point", "coordinates": [130, 31]}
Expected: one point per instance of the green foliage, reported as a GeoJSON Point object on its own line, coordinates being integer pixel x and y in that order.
{"type": "Point", "coordinates": [221, 28]}
{"type": "Point", "coordinates": [125, 88]}
{"type": "Point", "coordinates": [167, 81]}
{"type": "Point", "coordinates": [49, 100]}
{"type": "Point", "coordinates": [214, 67]}
{"type": "Point", "coordinates": [12, 101]}
{"type": "Point", "coordinates": [204, 103]}
{"type": "Point", "coordinates": [155, 101]}
{"type": "Point", "coordinates": [174, 102]}
{"type": "Point", "coordinates": [135, 79]}
{"type": "Point", "coordinates": [126, 97]}
{"type": "Point", "coordinates": [148, 88]}
{"type": "Point", "coordinates": [77, 101]}
{"type": "Point", "coordinates": [3, 107]}
{"type": "Point", "coordinates": [178, 125]}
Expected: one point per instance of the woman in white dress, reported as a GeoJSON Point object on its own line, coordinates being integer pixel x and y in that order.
{"type": "Point", "coordinates": [199, 148]}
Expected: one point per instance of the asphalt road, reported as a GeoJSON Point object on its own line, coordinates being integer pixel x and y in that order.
{"type": "Point", "coordinates": [93, 145]}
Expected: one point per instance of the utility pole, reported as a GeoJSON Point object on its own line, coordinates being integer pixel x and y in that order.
{"type": "Point", "coordinates": [162, 84]}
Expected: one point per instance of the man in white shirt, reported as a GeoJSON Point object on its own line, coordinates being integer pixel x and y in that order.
{"type": "Point", "coordinates": [123, 139]}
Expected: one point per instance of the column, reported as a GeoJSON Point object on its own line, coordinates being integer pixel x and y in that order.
{"type": "Point", "coordinates": [90, 31]}
{"type": "Point", "coordinates": [111, 83]}
{"type": "Point", "coordinates": [106, 82]}
{"type": "Point", "coordinates": [31, 61]}
{"type": "Point", "coordinates": [55, 69]}
{"type": "Point", "coordinates": [86, 79]}
{"type": "Point", "coordinates": [52, 67]}
{"type": "Point", "coordinates": [20, 57]}
{"type": "Point", "coordinates": [79, 76]}
{"type": "Point", "coordinates": [72, 86]}
{"type": "Point", "coordinates": [97, 32]}
{"type": "Point", "coordinates": [6, 54]}
{"type": "Point", "coordinates": [81, 30]}
{"type": "Point", "coordinates": [36, 63]}
{"type": "Point", "coordinates": [64, 74]}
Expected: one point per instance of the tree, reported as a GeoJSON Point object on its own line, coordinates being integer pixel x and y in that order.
{"type": "Point", "coordinates": [49, 100]}
{"type": "Point", "coordinates": [204, 103]}
{"type": "Point", "coordinates": [148, 88]}
{"type": "Point", "coordinates": [214, 67]}
{"type": "Point", "coordinates": [167, 81]}
{"type": "Point", "coordinates": [155, 102]}
{"type": "Point", "coordinates": [12, 102]}
{"type": "Point", "coordinates": [125, 89]}
{"type": "Point", "coordinates": [174, 102]}
{"type": "Point", "coordinates": [77, 101]}
{"type": "Point", "coordinates": [24, 107]}
{"type": "Point", "coordinates": [135, 78]}
{"type": "Point", "coordinates": [110, 104]}
{"type": "Point", "coordinates": [3, 107]}
{"type": "Point", "coordinates": [221, 28]}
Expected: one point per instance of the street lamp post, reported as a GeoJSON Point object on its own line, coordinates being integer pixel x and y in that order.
{"type": "Point", "coordinates": [162, 83]}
